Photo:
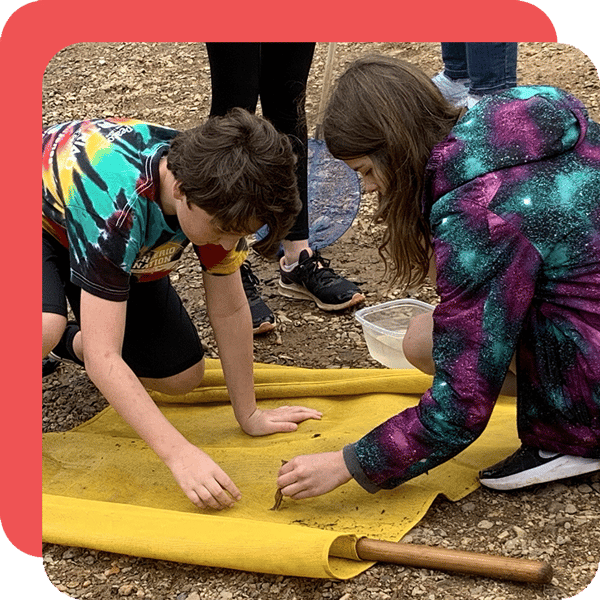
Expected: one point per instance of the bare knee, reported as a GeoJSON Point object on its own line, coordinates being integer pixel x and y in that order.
{"type": "Point", "coordinates": [179, 384]}
{"type": "Point", "coordinates": [418, 343]}
{"type": "Point", "coordinates": [53, 327]}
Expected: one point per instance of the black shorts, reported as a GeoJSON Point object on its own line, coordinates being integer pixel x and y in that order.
{"type": "Point", "coordinates": [160, 339]}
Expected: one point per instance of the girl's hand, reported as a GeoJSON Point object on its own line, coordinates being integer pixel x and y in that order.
{"type": "Point", "coordinates": [313, 475]}
{"type": "Point", "coordinates": [202, 480]}
{"type": "Point", "coordinates": [277, 420]}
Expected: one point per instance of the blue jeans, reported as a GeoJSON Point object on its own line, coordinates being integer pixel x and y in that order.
{"type": "Point", "coordinates": [491, 66]}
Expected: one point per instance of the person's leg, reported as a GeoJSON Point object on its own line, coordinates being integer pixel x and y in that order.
{"type": "Point", "coordinates": [234, 76]}
{"type": "Point", "coordinates": [235, 80]}
{"type": "Point", "coordinates": [284, 73]}
{"type": "Point", "coordinates": [454, 56]}
{"type": "Point", "coordinates": [304, 274]}
{"type": "Point", "coordinates": [57, 333]}
{"type": "Point", "coordinates": [161, 343]}
{"type": "Point", "coordinates": [54, 301]}
{"type": "Point", "coordinates": [53, 326]}
{"type": "Point", "coordinates": [418, 349]}
{"type": "Point", "coordinates": [453, 81]}
{"type": "Point", "coordinates": [492, 66]}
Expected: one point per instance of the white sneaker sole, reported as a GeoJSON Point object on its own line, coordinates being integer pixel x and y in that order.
{"type": "Point", "coordinates": [301, 293]}
{"type": "Point", "coordinates": [264, 328]}
{"type": "Point", "coordinates": [561, 468]}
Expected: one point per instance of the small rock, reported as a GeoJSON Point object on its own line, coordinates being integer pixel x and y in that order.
{"type": "Point", "coordinates": [520, 532]}
{"type": "Point", "coordinates": [194, 596]}
{"type": "Point", "coordinates": [556, 507]}
{"type": "Point", "coordinates": [126, 589]}
{"type": "Point", "coordinates": [485, 524]}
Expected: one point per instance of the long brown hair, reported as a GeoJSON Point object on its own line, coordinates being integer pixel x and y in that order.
{"type": "Point", "coordinates": [241, 171]}
{"type": "Point", "coordinates": [390, 111]}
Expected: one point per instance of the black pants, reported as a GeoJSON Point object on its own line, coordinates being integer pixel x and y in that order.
{"type": "Point", "coordinates": [277, 73]}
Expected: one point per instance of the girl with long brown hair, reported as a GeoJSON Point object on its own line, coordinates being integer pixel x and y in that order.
{"type": "Point", "coordinates": [501, 203]}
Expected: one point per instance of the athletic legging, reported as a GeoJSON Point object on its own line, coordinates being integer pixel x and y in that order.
{"type": "Point", "coordinates": [240, 73]}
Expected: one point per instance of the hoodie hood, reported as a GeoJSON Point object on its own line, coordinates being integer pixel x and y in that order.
{"type": "Point", "coordinates": [519, 126]}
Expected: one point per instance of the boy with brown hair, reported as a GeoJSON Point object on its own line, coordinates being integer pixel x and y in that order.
{"type": "Point", "coordinates": [121, 199]}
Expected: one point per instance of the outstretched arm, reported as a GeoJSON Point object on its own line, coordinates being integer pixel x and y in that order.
{"type": "Point", "coordinates": [230, 318]}
{"type": "Point", "coordinates": [102, 327]}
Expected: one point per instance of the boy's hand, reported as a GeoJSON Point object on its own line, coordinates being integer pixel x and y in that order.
{"type": "Point", "coordinates": [277, 420]}
{"type": "Point", "coordinates": [313, 475]}
{"type": "Point", "coordinates": [202, 480]}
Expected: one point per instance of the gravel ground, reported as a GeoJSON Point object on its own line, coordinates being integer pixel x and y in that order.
{"type": "Point", "coordinates": [558, 523]}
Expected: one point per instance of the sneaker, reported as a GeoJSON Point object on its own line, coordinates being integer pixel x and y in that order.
{"type": "Point", "coordinates": [263, 319]}
{"type": "Point", "coordinates": [314, 280]}
{"type": "Point", "coordinates": [528, 466]}
{"type": "Point", "coordinates": [454, 90]}
{"type": "Point", "coordinates": [472, 100]}
{"type": "Point", "coordinates": [49, 365]}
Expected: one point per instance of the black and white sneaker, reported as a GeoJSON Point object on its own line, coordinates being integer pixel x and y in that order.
{"type": "Point", "coordinates": [529, 466]}
{"type": "Point", "coordinates": [313, 279]}
{"type": "Point", "coordinates": [263, 319]}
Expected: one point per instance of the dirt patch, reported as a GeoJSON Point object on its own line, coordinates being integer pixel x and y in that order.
{"type": "Point", "coordinates": [169, 84]}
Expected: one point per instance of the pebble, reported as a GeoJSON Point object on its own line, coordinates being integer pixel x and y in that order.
{"type": "Point", "coordinates": [126, 589]}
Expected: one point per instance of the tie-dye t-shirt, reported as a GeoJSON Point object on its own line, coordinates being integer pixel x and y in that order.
{"type": "Point", "coordinates": [513, 200]}
{"type": "Point", "coordinates": [100, 199]}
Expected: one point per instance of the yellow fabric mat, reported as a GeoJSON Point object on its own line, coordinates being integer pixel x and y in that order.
{"type": "Point", "coordinates": [103, 488]}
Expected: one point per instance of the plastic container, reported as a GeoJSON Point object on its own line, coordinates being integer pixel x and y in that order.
{"type": "Point", "coordinates": [384, 326]}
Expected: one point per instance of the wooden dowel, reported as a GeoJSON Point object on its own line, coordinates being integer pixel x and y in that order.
{"type": "Point", "coordinates": [458, 561]}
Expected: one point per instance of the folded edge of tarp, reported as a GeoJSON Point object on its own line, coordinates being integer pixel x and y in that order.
{"type": "Point", "coordinates": [208, 540]}
{"type": "Point", "coordinates": [281, 381]}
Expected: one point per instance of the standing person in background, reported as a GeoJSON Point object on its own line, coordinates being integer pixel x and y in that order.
{"type": "Point", "coordinates": [278, 73]}
{"type": "Point", "coordinates": [475, 69]}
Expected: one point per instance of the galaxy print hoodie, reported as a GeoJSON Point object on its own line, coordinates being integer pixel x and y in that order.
{"type": "Point", "coordinates": [513, 201]}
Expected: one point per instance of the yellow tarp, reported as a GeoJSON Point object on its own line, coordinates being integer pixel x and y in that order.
{"type": "Point", "coordinates": [103, 488]}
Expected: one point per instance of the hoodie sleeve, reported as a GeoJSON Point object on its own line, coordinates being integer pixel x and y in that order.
{"type": "Point", "coordinates": [486, 279]}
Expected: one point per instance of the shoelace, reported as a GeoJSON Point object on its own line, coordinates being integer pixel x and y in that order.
{"type": "Point", "coordinates": [249, 281]}
{"type": "Point", "coordinates": [310, 269]}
